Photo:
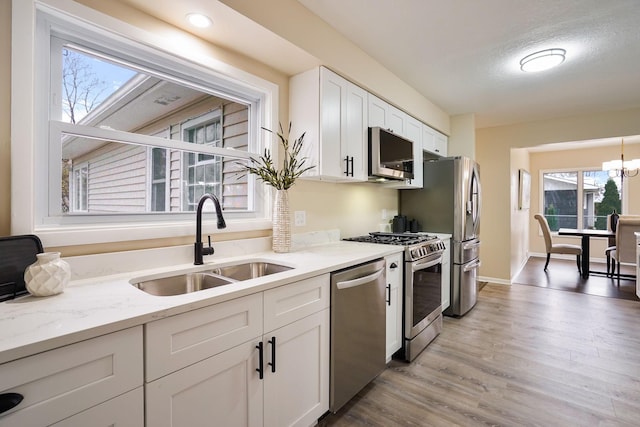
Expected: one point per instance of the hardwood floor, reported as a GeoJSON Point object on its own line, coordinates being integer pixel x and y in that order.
{"type": "Point", "coordinates": [524, 356]}
{"type": "Point", "coordinates": [563, 274]}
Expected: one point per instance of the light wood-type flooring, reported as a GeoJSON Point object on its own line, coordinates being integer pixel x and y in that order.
{"type": "Point", "coordinates": [524, 356]}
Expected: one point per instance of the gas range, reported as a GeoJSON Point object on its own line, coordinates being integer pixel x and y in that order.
{"type": "Point", "coordinates": [417, 245]}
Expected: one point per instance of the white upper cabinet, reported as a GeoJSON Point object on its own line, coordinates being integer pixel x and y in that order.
{"type": "Point", "coordinates": [333, 113]}
{"type": "Point", "coordinates": [433, 141]}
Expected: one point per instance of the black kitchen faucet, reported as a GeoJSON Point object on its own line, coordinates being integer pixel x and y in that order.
{"type": "Point", "coordinates": [199, 249]}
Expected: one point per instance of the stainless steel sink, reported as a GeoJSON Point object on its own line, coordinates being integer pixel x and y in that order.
{"type": "Point", "coordinates": [249, 270]}
{"type": "Point", "coordinates": [182, 284]}
{"type": "Point", "coordinates": [192, 282]}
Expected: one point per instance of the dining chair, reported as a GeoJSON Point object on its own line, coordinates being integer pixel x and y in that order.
{"type": "Point", "coordinates": [612, 222]}
{"type": "Point", "coordinates": [625, 249]}
{"type": "Point", "coordinates": [557, 248]}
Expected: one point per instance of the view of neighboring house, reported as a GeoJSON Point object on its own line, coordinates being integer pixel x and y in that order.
{"type": "Point", "coordinates": [561, 198]}
{"type": "Point", "coordinates": [116, 177]}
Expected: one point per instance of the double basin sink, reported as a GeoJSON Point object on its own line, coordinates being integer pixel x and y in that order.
{"type": "Point", "coordinates": [210, 278]}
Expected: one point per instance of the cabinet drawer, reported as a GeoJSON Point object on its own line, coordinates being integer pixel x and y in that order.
{"type": "Point", "coordinates": [291, 302]}
{"type": "Point", "coordinates": [178, 341]}
{"type": "Point", "coordinates": [62, 382]}
{"type": "Point", "coordinates": [126, 410]}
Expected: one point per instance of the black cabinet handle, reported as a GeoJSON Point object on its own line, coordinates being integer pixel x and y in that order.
{"type": "Point", "coordinates": [272, 341]}
{"type": "Point", "coordinates": [260, 369]}
{"type": "Point", "coordinates": [389, 294]}
{"type": "Point", "coordinates": [9, 401]}
{"type": "Point", "coordinates": [351, 161]}
{"type": "Point", "coordinates": [346, 165]}
{"type": "Point", "coordinates": [393, 265]}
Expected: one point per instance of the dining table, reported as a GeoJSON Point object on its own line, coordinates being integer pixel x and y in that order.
{"type": "Point", "coordinates": [586, 234]}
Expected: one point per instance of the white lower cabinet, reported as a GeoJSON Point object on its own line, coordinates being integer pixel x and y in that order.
{"type": "Point", "coordinates": [221, 390]}
{"type": "Point", "coordinates": [296, 384]}
{"type": "Point", "coordinates": [62, 383]}
{"type": "Point", "coordinates": [395, 271]}
{"type": "Point", "coordinates": [276, 378]}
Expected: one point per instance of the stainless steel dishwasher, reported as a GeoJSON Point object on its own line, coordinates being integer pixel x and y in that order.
{"type": "Point", "coordinates": [358, 329]}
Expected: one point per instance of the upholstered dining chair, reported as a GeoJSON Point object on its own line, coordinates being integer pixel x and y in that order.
{"type": "Point", "coordinates": [558, 248]}
{"type": "Point", "coordinates": [625, 249]}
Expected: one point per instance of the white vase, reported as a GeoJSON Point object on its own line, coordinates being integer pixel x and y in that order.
{"type": "Point", "coordinates": [48, 275]}
{"type": "Point", "coordinates": [281, 222]}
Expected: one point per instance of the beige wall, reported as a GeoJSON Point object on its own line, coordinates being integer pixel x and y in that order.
{"type": "Point", "coordinates": [354, 208]}
{"type": "Point", "coordinates": [519, 217]}
{"type": "Point", "coordinates": [493, 152]}
{"type": "Point", "coordinates": [5, 117]}
{"type": "Point", "coordinates": [462, 141]}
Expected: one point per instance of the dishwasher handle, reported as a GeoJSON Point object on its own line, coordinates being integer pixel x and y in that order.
{"type": "Point", "coordinates": [359, 281]}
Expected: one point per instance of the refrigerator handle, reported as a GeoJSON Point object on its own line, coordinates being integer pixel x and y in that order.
{"type": "Point", "coordinates": [472, 266]}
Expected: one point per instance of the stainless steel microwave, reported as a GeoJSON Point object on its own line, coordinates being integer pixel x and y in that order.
{"type": "Point", "coordinates": [390, 155]}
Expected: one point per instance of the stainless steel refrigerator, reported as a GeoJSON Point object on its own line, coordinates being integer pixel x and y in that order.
{"type": "Point", "coordinates": [449, 202]}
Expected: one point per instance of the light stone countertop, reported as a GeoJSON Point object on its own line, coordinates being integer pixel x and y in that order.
{"type": "Point", "coordinates": [100, 298]}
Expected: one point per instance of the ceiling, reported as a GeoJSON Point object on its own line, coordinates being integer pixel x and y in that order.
{"type": "Point", "coordinates": [464, 55]}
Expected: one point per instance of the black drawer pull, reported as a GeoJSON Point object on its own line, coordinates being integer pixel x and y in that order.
{"type": "Point", "coordinates": [9, 401]}
{"type": "Point", "coordinates": [260, 369]}
{"type": "Point", "coordinates": [272, 341]}
{"type": "Point", "coordinates": [389, 294]}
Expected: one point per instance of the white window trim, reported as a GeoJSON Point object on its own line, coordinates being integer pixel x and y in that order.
{"type": "Point", "coordinates": [25, 131]}
{"type": "Point", "coordinates": [73, 189]}
{"type": "Point", "coordinates": [580, 184]}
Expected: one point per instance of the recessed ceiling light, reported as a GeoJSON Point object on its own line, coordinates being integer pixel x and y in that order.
{"type": "Point", "coordinates": [199, 20]}
{"type": "Point", "coordinates": [542, 60]}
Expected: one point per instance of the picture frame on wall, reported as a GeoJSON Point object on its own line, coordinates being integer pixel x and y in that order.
{"type": "Point", "coordinates": [524, 189]}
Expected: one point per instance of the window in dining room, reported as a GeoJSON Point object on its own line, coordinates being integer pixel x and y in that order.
{"type": "Point", "coordinates": [579, 198]}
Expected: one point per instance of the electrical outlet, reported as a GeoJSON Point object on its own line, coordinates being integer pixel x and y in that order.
{"type": "Point", "coordinates": [300, 218]}
{"type": "Point", "coordinates": [385, 214]}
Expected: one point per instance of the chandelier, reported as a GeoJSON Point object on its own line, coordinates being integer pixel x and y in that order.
{"type": "Point", "coordinates": [622, 168]}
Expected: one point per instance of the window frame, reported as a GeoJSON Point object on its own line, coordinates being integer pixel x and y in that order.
{"type": "Point", "coordinates": [580, 185]}
{"type": "Point", "coordinates": [32, 198]}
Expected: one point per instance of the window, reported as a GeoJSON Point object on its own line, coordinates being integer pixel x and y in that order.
{"type": "Point", "coordinates": [78, 188]}
{"type": "Point", "coordinates": [133, 135]}
{"type": "Point", "coordinates": [579, 198]}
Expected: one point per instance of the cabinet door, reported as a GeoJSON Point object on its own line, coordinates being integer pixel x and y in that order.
{"type": "Point", "coordinates": [397, 121]}
{"type": "Point", "coordinates": [446, 275]}
{"type": "Point", "coordinates": [394, 303]}
{"type": "Point", "coordinates": [428, 139]}
{"type": "Point", "coordinates": [355, 136]}
{"type": "Point", "coordinates": [296, 387]}
{"type": "Point", "coordinates": [223, 390]}
{"type": "Point", "coordinates": [441, 144]}
{"type": "Point", "coordinates": [378, 112]}
{"type": "Point", "coordinates": [333, 90]}
{"type": "Point", "coordinates": [126, 410]}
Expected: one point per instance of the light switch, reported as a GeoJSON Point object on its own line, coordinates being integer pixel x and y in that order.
{"type": "Point", "coordinates": [300, 218]}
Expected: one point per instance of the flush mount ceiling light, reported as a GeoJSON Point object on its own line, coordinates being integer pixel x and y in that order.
{"type": "Point", "coordinates": [542, 60]}
{"type": "Point", "coordinates": [199, 20]}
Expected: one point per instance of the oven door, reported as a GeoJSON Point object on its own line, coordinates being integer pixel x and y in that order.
{"type": "Point", "coordinates": [422, 294]}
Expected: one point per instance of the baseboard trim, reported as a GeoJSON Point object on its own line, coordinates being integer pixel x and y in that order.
{"type": "Point", "coordinates": [494, 280]}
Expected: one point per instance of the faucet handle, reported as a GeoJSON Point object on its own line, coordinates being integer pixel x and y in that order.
{"type": "Point", "coordinates": [209, 250]}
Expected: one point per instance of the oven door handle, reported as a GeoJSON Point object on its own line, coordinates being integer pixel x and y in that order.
{"type": "Point", "coordinates": [421, 266]}
{"type": "Point", "coordinates": [359, 281]}
{"type": "Point", "coordinates": [472, 266]}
